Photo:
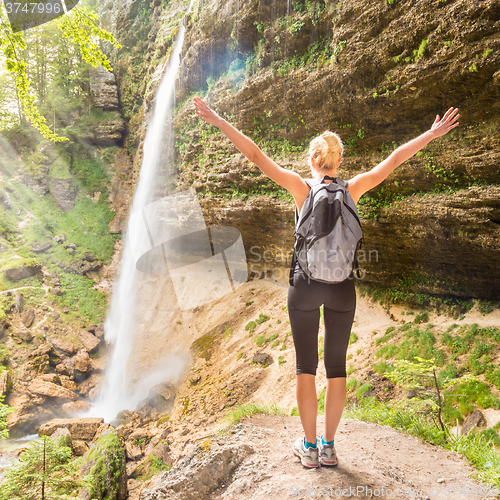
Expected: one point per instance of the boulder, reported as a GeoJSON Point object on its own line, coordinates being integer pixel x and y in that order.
{"type": "Point", "coordinates": [473, 421]}
{"type": "Point", "coordinates": [133, 451]}
{"type": "Point", "coordinates": [63, 345]}
{"type": "Point", "coordinates": [82, 362]}
{"type": "Point", "coordinates": [41, 247]}
{"type": "Point", "coordinates": [45, 388]}
{"type": "Point", "coordinates": [99, 331]}
{"type": "Point", "coordinates": [111, 476]}
{"type": "Point", "coordinates": [89, 341]}
{"type": "Point", "coordinates": [20, 302]}
{"type": "Point", "coordinates": [62, 432]}
{"type": "Point", "coordinates": [101, 430]}
{"type": "Point", "coordinates": [23, 334]}
{"type": "Point", "coordinates": [75, 407]}
{"type": "Point", "coordinates": [50, 377]}
{"type": "Point", "coordinates": [79, 447]}
{"type": "Point", "coordinates": [262, 358]}
{"type": "Point", "coordinates": [162, 451]}
{"type": "Point", "coordinates": [79, 428]}
{"type": "Point", "coordinates": [161, 398]}
{"type": "Point", "coordinates": [27, 317]}
{"type": "Point", "coordinates": [19, 273]}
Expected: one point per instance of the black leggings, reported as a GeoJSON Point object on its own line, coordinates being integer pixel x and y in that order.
{"type": "Point", "coordinates": [304, 300]}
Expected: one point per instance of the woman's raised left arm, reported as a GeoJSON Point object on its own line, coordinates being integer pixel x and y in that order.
{"type": "Point", "coordinates": [362, 183]}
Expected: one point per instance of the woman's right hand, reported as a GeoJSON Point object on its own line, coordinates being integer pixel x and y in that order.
{"type": "Point", "coordinates": [205, 112]}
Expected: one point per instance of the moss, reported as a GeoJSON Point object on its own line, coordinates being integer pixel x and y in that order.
{"type": "Point", "coordinates": [203, 345]}
{"type": "Point", "coordinates": [107, 460]}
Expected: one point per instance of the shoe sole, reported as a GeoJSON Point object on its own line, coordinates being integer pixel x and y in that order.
{"type": "Point", "coordinates": [329, 463]}
{"type": "Point", "coordinates": [304, 460]}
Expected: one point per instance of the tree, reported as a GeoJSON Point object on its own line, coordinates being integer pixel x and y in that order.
{"type": "Point", "coordinates": [422, 376]}
{"type": "Point", "coordinates": [45, 471]}
{"type": "Point", "coordinates": [81, 27]}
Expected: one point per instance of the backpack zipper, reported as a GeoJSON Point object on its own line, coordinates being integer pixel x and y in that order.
{"type": "Point", "coordinates": [353, 213]}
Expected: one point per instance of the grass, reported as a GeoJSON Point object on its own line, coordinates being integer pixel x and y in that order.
{"type": "Point", "coordinates": [239, 412]}
{"type": "Point", "coordinates": [478, 448]}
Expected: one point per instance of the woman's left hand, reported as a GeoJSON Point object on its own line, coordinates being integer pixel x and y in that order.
{"type": "Point", "coordinates": [205, 112]}
{"type": "Point", "coordinates": [449, 121]}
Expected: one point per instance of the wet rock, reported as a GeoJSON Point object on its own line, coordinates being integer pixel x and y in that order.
{"type": "Point", "coordinates": [19, 273]}
{"type": "Point", "coordinates": [161, 398]}
{"type": "Point", "coordinates": [73, 407]}
{"type": "Point", "coordinates": [79, 428]}
{"type": "Point", "coordinates": [99, 332]}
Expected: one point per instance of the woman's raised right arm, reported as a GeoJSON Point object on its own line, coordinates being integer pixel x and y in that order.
{"type": "Point", "coordinates": [288, 179]}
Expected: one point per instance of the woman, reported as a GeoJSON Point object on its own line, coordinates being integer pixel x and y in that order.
{"type": "Point", "coordinates": [307, 295]}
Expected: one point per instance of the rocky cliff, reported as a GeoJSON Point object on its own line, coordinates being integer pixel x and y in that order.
{"type": "Point", "coordinates": [378, 74]}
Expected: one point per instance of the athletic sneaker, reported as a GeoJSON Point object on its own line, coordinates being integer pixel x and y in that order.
{"type": "Point", "coordinates": [327, 454]}
{"type": "Point", "coordinates": [308, 456]}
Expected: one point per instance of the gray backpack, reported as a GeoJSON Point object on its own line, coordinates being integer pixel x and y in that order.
{"type": "Point", "coordinates": [327, 233]}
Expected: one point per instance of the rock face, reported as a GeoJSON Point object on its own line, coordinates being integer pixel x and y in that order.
{"type": "Point", "coordinates": [64, 191]}
{"type": "Point", "coordinates": [103, 89]}
{"type": "Point", "coordinates": [200, 472]}
{"type": "Point", "coordinates": [377, 75]}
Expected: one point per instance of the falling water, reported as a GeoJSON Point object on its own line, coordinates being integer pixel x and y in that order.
{"type": "Point", "coordinates": [121, 319]}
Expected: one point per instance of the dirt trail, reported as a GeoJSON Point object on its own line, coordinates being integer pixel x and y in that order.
{"type": "Point", "coordinates": [371, 457]}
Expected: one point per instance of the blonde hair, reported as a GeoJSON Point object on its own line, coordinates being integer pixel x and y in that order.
{"type": "Point", "coordinates": [326, 149]}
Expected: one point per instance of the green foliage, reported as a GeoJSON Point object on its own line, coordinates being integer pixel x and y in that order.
{"type": "Point", "coordinates": [295, 27]}
{"type": "Point", "coordinates": [479, 450]}
{"type": "Point", "coordinates": [80, 27]}
{"type": "Point", "coordinates": [352, 338]}
{"type": "Point", "coordinates": [281, 360]}
{"type": "Point", "coordinates": [5, 411]}
{"type": "Point", "coordinates": [262, 317]}
{"type": "Point", "coordinates": [250, 327]}
{"type": "Point", "coordinates": [362, 390]}
{"type": "Point", "coordinates": [106, 459]}
{"type": "Point", "coordinates": [262, 339]}
{"type": "Point", "coordinates": [46, 463]}
{"type": "Point", "coordinates": [420, 52]}
{"type": "Point", "coordinates": [473, 67]}
{"type": "Point", "coordinates": [239, 412]}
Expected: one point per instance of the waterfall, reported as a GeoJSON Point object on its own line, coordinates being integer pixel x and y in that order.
{"type": "Point", "coordinates": [121, 319]}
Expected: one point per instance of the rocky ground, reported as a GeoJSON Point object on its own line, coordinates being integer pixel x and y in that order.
{"type": "Point", "coordinates": [255, 461]}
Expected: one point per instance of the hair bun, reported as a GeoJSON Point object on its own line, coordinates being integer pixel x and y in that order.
{"type": "Point", "coordinates": [326, 149]}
